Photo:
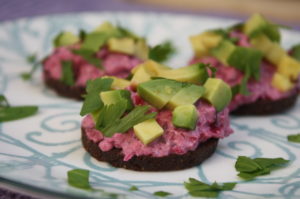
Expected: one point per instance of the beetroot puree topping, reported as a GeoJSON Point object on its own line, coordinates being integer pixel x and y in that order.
{"type": "Point", "coordinates": [261, 89]}
{"type": "Point", "coordinates": [114, 64]}
{"type": "Point", "coordinates": [174, 140]}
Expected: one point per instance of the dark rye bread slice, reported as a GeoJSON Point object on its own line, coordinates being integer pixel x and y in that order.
{"type": "Point", "coordinates": [75, 92]}
{"type": "Point", "coordinates": [148, 163]}
{"type": "Point", "coordinates": [266, 106]}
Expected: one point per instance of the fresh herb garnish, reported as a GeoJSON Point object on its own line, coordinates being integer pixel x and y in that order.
{"type": "Point", "coordinates": [9, 113]}
{"type": "Point", "coordinates": [296, 52]}
{"type": "Point", "coordinates": [67, 73]}
{"type": "Point", "coordinates": [269, 29]}
{"type": "Point", "coordinates": [162, 52]}
{"type": "Point", "coordinates": [121, 125]}
{"type": "Point", "coordinates": [161, 193]}
{"type": "Point", "coordinates": [92, 101]}
{"type": "Point", "coordinates": [197, 188]}
{"type": "Point", "coordinates": [251, 168]}
{"type": "Point", "coordinates": [79, 178]}
{"type": "Point", "coordinates": [294, 138]}
{"type": "Point", "coordinates": [133, 188]}
{"type": "Point", "coordinates": [31, 59]}
{"type": "Point", "coordinates": [89, 56]}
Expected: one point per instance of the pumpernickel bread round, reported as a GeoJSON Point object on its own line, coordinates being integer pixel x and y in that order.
{"type": "Point", "coordinates": [75, 92]}
{"type": "Point", "coordinates": [267, 106]}
{"type": "Point", "coordinates": [148, 163]}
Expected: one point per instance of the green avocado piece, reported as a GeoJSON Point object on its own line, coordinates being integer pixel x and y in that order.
{"type": "Point", "coordinates": [123, 45]}
{"type": "Point", "coordinates": [158, 92]}
{"type": "Point", "coordinates": [217, 92]}
{"type": "Point", "coordinates": [257, 25]}
{"type": "Point", "coordinates": [65, 39]}
{"type": "Point", "coordinates": [148, 131]}
{"type": "Point", "coordinates": [185, 116]}
{"type": "Point", "coordinates": [223, 51]}
{"type": "Point", "coordinates": [187, 95]}
{"type": "Point", "coordinates": [195, 73]}
{"type": "Point", "coordinates": [114, 96]}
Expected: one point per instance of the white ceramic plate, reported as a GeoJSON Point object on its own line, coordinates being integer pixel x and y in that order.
{"type": "Point", "coordinates": [38, 151]}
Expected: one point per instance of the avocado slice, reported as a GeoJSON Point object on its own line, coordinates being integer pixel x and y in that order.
{"type": "Point", "coordinates": [187, 95]}
{"type": "Point", "coordinates": [281, 82]}
{"type": "Point", "coordinates": [217, 92]}
{"type": "Point", "coordinates": [158, 92]}
{"type": "Point", "coordinates": [65, 39]}
{"type": "Point", "coordinates": [223, 51]}
{"type": "Point", "coordinates": [123, 45]}
{"type": "Point", "coordinates": [140, 75]}
{"type": "Point", "coordinates": [114, 96]}
{"type": "Point", "coordinates": [185, 116]}
{"type": "Point", "coordinates": [141, 49]}
{"type": "Point", "coordinates": [195, 73]}
{"type": "Point", "coordinates": [289, 67]}
{"type": "Point", "coordinates": [148, 131]}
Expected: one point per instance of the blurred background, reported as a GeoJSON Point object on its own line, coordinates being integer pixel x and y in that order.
{"type": "Point", "coordinates": [285, 12]}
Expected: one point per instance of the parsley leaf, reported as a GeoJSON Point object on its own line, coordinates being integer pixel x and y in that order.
{"type": "Point", "coordinates": [67, 73]}
{"type": "Point", "coordinates": [121, 125]}
{"type": "Point", "coordinates": [89, 56]}
{"type": "Point", "coordinates": [133, 188]}
{"type": "Point", "coordinates": [9, 113]}
{"type": "Point", "coordinates": [296, 52]}
{"type": "Point", "coordinates": [161, 193]}
{"type": "Point", "coordinates": [31, 59]}
{"type": "Point", "coordinates": [162, 52]}
{"type": "Point", "coordinates": [294, 138]}
{"type": "Point", "coordinates": [197, 188]}
{"type": "Point", "coordinates": [250, 168]}
{"type": "Point", "coordinates": [92, 101]}
{"type": "Point", "coordinates": [79, 178]}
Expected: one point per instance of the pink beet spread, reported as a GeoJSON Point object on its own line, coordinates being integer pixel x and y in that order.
{"type": "Point", "coordinates": [174, 140]}
{"type": "Point", "coordinates": [261, 89]}
{"type": "Point", "coordinates": [115, 64]}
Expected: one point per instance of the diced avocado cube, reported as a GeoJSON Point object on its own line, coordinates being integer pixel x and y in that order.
{"type": "Point", "coordinates": [65, 39]}
{"type": "Point", "coordinates": [141, 49]}
{"type": "Point", "coordinates": [262, 43]}
{"type": "Point", "coordinates": [185, 116]}
{"type": "Point", "coordinates": [140, 75]}
{"type": "Point", "coordinates": [223, 51]}
{"type": "Point", "coordinates": [118, 83]}
{"type": "Point", "coordinates": [155, 68]}
{"type": "Point", "coordinates": [122, 45]}
{"type": "Point", "coordinates": [187, 95]}
{"type": "Point", "coordinates": [114, 96]}
{"type": "Point", "coordinates": [158, 92]}
{"type": "Point", "coordinates": [195, 73]}
{"type": "Point", "coordinates": [281, 82]}
{"type": "Point", "coordinates": [148, 131]}
{"type": "Point", "coordinates": [203, 42]}
{"type": "Point", "coordinates": [257, 25]}
{"type": "Point", "coordinates": [217, 92]}
{"type": "Point", "coordinates": [275, 54]}
{"type": "Point", "coordinates": [289, 67]}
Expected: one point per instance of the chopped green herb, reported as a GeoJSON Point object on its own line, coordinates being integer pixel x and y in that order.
{"type": "Point", "coordinates": [162, 52]}
{"type": "Point", "coordinates": [31, 59]}
{"type": "Point", "coordinates": [124, 32]}
{"type": "Point", "coordinates": [89, 56]}
{"type": "Point", "coordinates": [294, 138]}
{"type": "Point", "coordinates": [270, 30]}
{"type": "Point", "coordinates": [16, 112]}
{"type": "Point", "coordinates": [3, 101]}
{"type": "Point", "coordinates": [251, 168]}
{"type": "Point", "coordinates": [296, 52]}
{"type": "Point", "coordinates": [197, 188]}
{"type": "Point", "coordinates": [93, 41]}
{"type": "Point", "coordinates": [121, 125]}
{"type": "Point", "coordinates": [161, 193]}
{"type": "Point", "coordinates": [79, 178]}
{"type": "Point", "coordinates": [92, 101]}
{"type": "Point", "coordinates": [133, 188]}
{"type": "Point", "coordinates": [67, 73]}
{"type": "Point", "coordinates": [82, 34]}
